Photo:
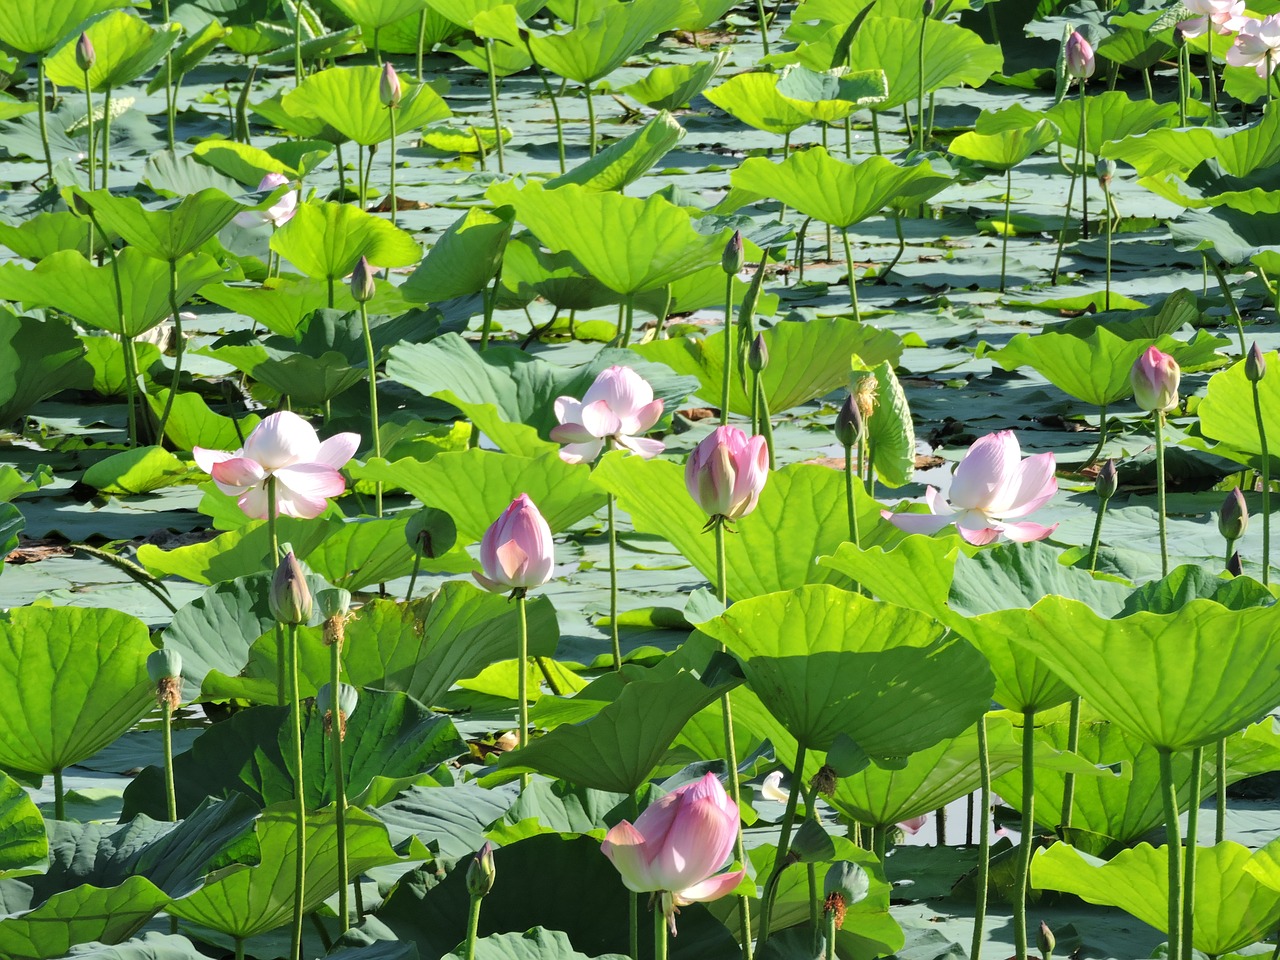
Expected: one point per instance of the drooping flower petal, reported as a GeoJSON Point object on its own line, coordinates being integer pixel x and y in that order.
{"type": "Point", "coordinates": [1026, 531]}
{"type": "Point", "coordinates": [303, 490]}
{"type": "Point", "coordinates": [713, 888]}
{"type": "Point", "coordinates": [236, 474]}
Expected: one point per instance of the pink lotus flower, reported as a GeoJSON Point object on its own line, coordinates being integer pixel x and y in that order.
{"type": "Point", "coordinates": [618, 406]}
{"type": "Point", "coordinates": [1257, 46]}
{"type": "Point", "coordinates": [1080, 62]}
{"type": "Point", "coordinates": [992, 485]}
{"type": "Point", "coordinates": [914, 825]}
{"type": "Point", "coordinates": [1155, 376]}
{"type": "Point", "coordinates": [1226, 16]}
{"type": "Point", "coordinates": [279, 213]}
{"type": "Point", "coordinates": [389, 86]}
{"type": "Point", "coordinates": [516, 551]}
{"type": "Point", "coordinates": [726, 472]}
{"type": "Point", "coordinates": [286, 447]}
{"type": "Point", "coordinates": [677, 845]}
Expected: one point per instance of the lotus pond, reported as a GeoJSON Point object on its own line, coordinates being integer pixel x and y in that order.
{"type": "Point", "coordinates": [668, 478]}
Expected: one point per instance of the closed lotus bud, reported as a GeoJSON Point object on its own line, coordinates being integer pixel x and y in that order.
{"type": "Point", "coordinates": [1080, 63]}
{"type": "Point", "coordinates": [1046, 941]}
{"type": "Point", "coordinates": [1106, 170]}
{"type": "Point", "coordinates": [1233, 518]}
{"type": "Point", "coordinates": [290, 599]}
{"type": "Point", "coordinates": [1107, 481]}
{"type": "Point", "coordinates": [1179, 38]}
{"type": "Point", "coordinates": [849, 423]}
{"type": "Point", "coordinates": [348, 697]}
{"type": "Point", "coordinates": [733, 258]}
{"type": "Point", "coordinates": [362, 289]}
{"type": "Point", "coordinates": [164, 667]}
{"type": "Point", "coordinates": [1154, 377]}
{"type": "Point", "coordinates": [1255, 365]}
{"type": "Point", "coordinates": [389, 86]}
{"type": "Point", "coordinates": [929, 7]}
{"type": "Point", "coordinates": [1234, 567]}
{"type": "Point", "coordinates": [86, 56]}
{"type": "Point", "coordinates": [758, 355]}
{"type": "Point", "coordinates": [480, 872]}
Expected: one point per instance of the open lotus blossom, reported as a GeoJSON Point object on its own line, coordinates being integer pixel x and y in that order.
{"type": "Point", "coordinates": [1257, 45]}
{"type": "Point", "coordinates": [1226, 16]}
{"type": "Point", "coordinates": [991, 486]}
{"type": "Point", "coordinates": [726, 472]}
{"type": "Point", "coordinates": [618, 406]}
{"type": "Point", "coordinates": [678, 844]}
{"type": "Point", "coordinates": [516, 551]}
{"type": "Point", "coordinates": [279, 213]}
{"type": "Point", "coordinates": [286, 447]}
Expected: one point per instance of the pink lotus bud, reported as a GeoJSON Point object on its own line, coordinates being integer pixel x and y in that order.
{"type": "Point", "coordinates": [677, 845]}
{"type": "Point", "coordinates": [726, 472]}
{"type": "Point", "coordinates": [1079, 57]}
{"type": "Point", "coordinates": [86, 56]}
{"type": "Point", "coordinates": [1155, 377]}
{"type": "Point", "coordinates": [516, 551]}
{"type": "Point", "coordinates": [362, 288]}
{"type": "Point", "coordinates": [389, 86]}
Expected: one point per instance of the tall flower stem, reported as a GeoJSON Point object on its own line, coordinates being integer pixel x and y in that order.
{"type": "Point", "coordinates": [1189, 868]}
{"type": "Point", "coordinates": [1231, 300]}
{"type": "Point", "coordinates": [41, 95]}
{"type": "Point", "coordinates": [59, 796]}
{"type": "Point", "coordinates": [728, 350]}
{"type": "Point", "coordinates": [170, 795]}
{"type": "Point", "coordinates": [179, 345]}
{"type": "Point", "coordinates": [1004, 244]}
{"type": "Point", "coordinates": [764, 26]}
{"type": "Point", "coordinates": [730, 747]}
{"type": "Point", "coordinates": [1209, 70]}
{"type": "Point", "coordinates": [850, 507]}
{"type": "Point", "coordinates": [853, 286]}
{"type": "Point", "coordinates": [591, 119]}
{"type": "Point", "coordinates": [299, 796]}
{"type": "Point", "coordinates": [984, 839]}
{"type": "Point", "coordinates": [610, 504]}
{"type": "Point", "coordinates": [391, 113]}
{"type": "Point", "coordinates": [1084, 161]}
{"type": "Point", "coordinates": [659, 933]}
{"type": "Point", "coordinates": [93, 154]}
{"type": "Point", "coordinates": [493, 102]}
{"type": "Point", "coordinates": [372, 362]}
{"type": "Point", "coordinates": [555, 108]}
{"type": "Point", "coordinates": [339, 783]}
{"type": "Point", "coordinates": [1173, 838]}
{"type": "Point", "coordinates": [522, 677]}
{"type": "Point", "coordinates": [106, 138]}
{"type": "Point", "coordinates": [1158, 416]}
{"type": "Point", "coordinates": [169, 103]}
{"type": "Point", "coordinates": [1066, 215]}
{"type": "Point", "coordinates": [1073, 744]}
{"type": "Point", "coordinates": [920, 119]}
{"type": "Point", "coordinates": [766, 424]}
{"type": "Point", "coordinates": [1027, 843]}
{"type": "Point", "coordinates": [1266, 486]}
{"type": "Point", "coordinates": [1220, 801]}
{"type": "Point", "coordinates": [1097, 536]}
{"type": "Point", "coordinates": [473, 928]}
{"type": "Point", "coordinates": [1102, 436]}
{"type": "Point", "coordinates": [780, 861]}
{"type": "Point", "coordinates": [281, 650]}
{"type": "Point", "coordinates": [1106, 192]}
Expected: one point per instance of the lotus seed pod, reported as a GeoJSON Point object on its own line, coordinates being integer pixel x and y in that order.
{"type": "Point", "coordinates": [1107, 481]}
{"type": "Point", "coordinates": [1106, 170]}
{"type": "Point", "coordinates": [290, 599]}
{"type": "Point", "coordinates": [86, 56]}
{"type": "Point", "coordinates": [1255, 365]}
{"type": "Point", "coordinates": [849, 423]}
{"type": "Point", "coordinates": [164, 667]}
{"type": "Point", "coordinates": [846, 884]}
{"type": "Point", "coordinates": [334, 602]}
{"type": "Point", "coordinates": [1233, 518]}
{"type": "Point", "coordinates": [348, 697]}
{"type": "Point", "coordinates": [480, 872]}
{"type": "Point", "coordinates": [758, 355]}
{"type": "Point", "coordinates": [362, 289]}
{"type": "Point", "coordinates": [733, 258]}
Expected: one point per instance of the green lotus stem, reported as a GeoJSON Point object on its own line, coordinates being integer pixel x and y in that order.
{"type": "Point", "coordinates": [170, 795]}
{"type": "Point", "coordinates": [44, 122]}
{"type": "Point", "coordinates": [239, 948]}
{"type": "Point", "coordinates": [591, 119]}
{"type": "Point", "coordinates": [829, 951]}
{"type": "Point", "coordinates": [1231, 300]}
{"type": "Point", "coordinates": [106, 138]}
{"type": "Point", "coordinates": [880, 842]}
{"type": "Point", "coordinates": [1004, 245]}
{"type": "Point", "coordinates": [984, 840]}
{"type": "Point", "coordinates": [1073, 744]}
{"type": "Point", "coordinates": [299, 796]}
{"type": "Point", "coordinates": [330, 279]}
{"type": "Point", "coordinates": [940, 817]}
{"type": "Point", "coordinates": [764, 26]}
{"type": "Point", "coordinates": [274, 540]}
{"type": "Point", "coordinates": [1220, 802]}
{"type": "Point", "coordinates": [1209, 69]}
{"type": "Point", "coordinates": [728, 349]}
{"type": "Point", "coordinates": [1184, 85]}
{"type": "Point", "coordinates": [1102, 435]}
{"type": "Point", "coordinates": [422, 40]}
{"type": "Point", "coordinates": [342, 174]}
{"type": "Point", "coordinates": [902, 248]}
{"type": "Point", "coordinates": [493, 101]}
{"type": "Point", "coordinates": [613, 582]}
{"type": "Point", "coordinates": [1173, 837]}
{"type": "Point", "coordinates": [1084, 160]}
{"type": "Point", "coordinates": [1231, 549]}
{"type": "Point", "coordinates": [1066, 215]}
{"type": "Point", "coordinates": [755, 402]}
{"type": "Point", "coordinates": [1158, 416]}
{"type": "Point", "coordinates": [131, 385]}
{"type": "Point", "coordinates": [1266, 486]}
{"type": "Point", "coordinates": [659, 934]}
{"type": "Point", "coordinates": [391, 113]}
{"type": "Point", "coordinates": [784, 842]}
{"type": "Point", "coordinates": [93, 159]}
{"type": "Point", "coordinates": [522, 677]}
{"type": "Point", "coordinates": [629, 312]}
{"type": "Point", "coordinates": [853, 283]}
{"type": "Point", "coordinates": [339, 785]}
{"type": "Point", "coordinates": [730, 746]}
{"type": "Point", "coordinates": [924, 26]}
{"type": "Point", "coordinates": [1106, 191]}
{"type": "Point", "coordinates": [59, 796]}
{"type": "Point", "coordinates": [168, 85]}
{"type": "Point", "coordinates": [372, 361]}
{"type": "Point", "coordinates": [850, 509]}
{"type": "Point", "coordinates": [848, 138]}
{"type": "Point", "coordinates": [869, 464]}
{"type": "Point", "coordinates": [875, 131]}
{"type": "Point", "coordinates": [377, 45]}
{"type": "Point", "coordinates": [555, 105]}
{"type": "Point", "coordinates": [178, 348]}
{"type": "Point", "coordinates": [1027, 842]}
{"type": "Point", "coordinates": [815, 910]}
{"type": "Point", "coordinates": [1189, 869]}
{"type": "Point", "coordinates": [1097, 538]}
{"type": "Point", "coordinates": [473, 928]}
{"type": "Point", "coordinates": [297, 44]}
{"type": "Point", "coordinates": [800, 249]}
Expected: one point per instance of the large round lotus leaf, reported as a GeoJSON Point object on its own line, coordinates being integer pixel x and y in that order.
{"type": "Point", "coordinates": [326, 240]}
{"type": "Point", "coordinates": [347, 98]}
{"type": "Point", "coordinates": [126, 48]}
{"type": "Point", "coordinates": [1227, 413]}
{"type": "Point", "coordinates": [1176, 681]}
{"type": "Point", "coordinates": [34, 26]}
{"type": "Point", "coordinates": [71, 680]}
{"type": "Point", "coordinates": [827, 661]}
{"type": "Point", "coordinates": [378, 13]}
{"type": "Point", "coordinates": [1233, 908]}
{"type": "Point", "coordinates": [171, 231]}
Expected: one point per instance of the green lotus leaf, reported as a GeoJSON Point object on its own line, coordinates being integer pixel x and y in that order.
{"type": "Point", "coordinates": [754, 99]}
{"type": "Point", "coordinates": [670, 88]}
{"type": "Point", "coordinates": [242, 901]}
{"type": "Point", "coordinates": [284, 306]}
{"type": "Point", "coordinates": [47, 233]}
{"type": "Point", "coordinates": [325, 241]}
{"type": "Point", "coordinates": [347, 99]}
{"type": "Point", "coordinates": [827, 662]}
{"type": "Point", "coordinates": [535, 944]}
{"type": "Point", "coordinates": [528, 271]}
{"type": "Point", "coordinates": [126, 49]}
{"type": "Point", "coordinates": [38, 358]}
{"type": "Point", "coordinates": [953, 56]}
{"type": "Point", "coordinates": [1232, 907]}
{"type": "Point", "coordinates": [34, 26]}
{"type": "Point", "coordinates": [309, 381]}
{"type": "Point", "coordinates": [1227, 413]}
{"type": "Point", "coordinates": [150, 946]}
{"type": "Point", "coordinates": [24, 846]}
{"type": "Point", "coordinates": [172, 231]}
{"type": "Point", "coordinates": [137, 471]}
{"type": "Point", "coordinates": [249, 164]}
{"type": "Point", "coordinates": [831, 190]}
{"type": "Point", "coordinates": [1203, 672]}
{"type": "Point", "coordinates": [1239, 151]}
{"type": "Point", "coordinates": [379, 13]}
{"type": "Point", "coordinates": [189, 54]}
{"type": "Point", "coordinates": [891, 434]}
{"type": "Point", "coordinates": [831, 95]}
{"type": "Point", "coordinates": [507, 59]}
{"type": "Point", "coordinates": [464, 259]}
{"type": "Point", "coordinates": [1005, 149]}
{"type": "Point", "coordinates": [78, 916]}
{"type": "Point", "coordinates": [1112, 117]}
{"type": "Point", "coordinates": [401, 36]}
{"type": "Point", "coordinates": [11, 108]}
{"type": "Point", "coordinates": [464, 12]}
{"type": "Point", "coordinates": [629, 245]}
{"type": "Point", "coordinates": [191, 423]}
{"type": "Point", "coordinates": [627, 160]}
{"type": "Point", "coordinates": [240, 552]}
{"type": "Point", "coordinates": [806, 360]}
{"type": "Point", "coordinates": [71, 681]}
{"type": "Point", "coordinates": [272, 110]}
{"type": "Point", "coordinates": [697, 15]}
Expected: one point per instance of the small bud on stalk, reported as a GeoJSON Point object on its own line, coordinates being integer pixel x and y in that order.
{"type": "Point", "coordinates": [1255, 365]}
{"type": "Point", "coordinates": [389, 91]}
{"type": "Point", "coordinates": [480, 872]}
{"type": "Point", "coordinates": [849, 423]}
{"type": "Point", "coordinates": [758, 355]}
{"type": "Point", "coordinates": [1106, 170]}
{"type": "Point", "coordinates": [1107, 481]}
{"type": "Point", "coordinates": [1046, 941]}
{"type": "Point", "coordinates": [290, 599]}
{"type": "Point", "coordinates": [362, 288]}
{"type": "Point", "coordinates": [1233, 518]}
{"type": "Point", "coordinates": [86, 56]}
{"type": "Point", "coordinates": [733, 258]}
